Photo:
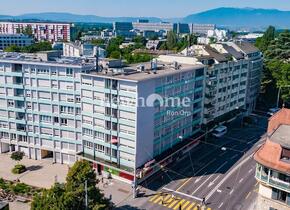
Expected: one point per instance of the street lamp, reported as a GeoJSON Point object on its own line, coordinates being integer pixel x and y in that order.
{"type": "Point", "coordinates": [279, 93]}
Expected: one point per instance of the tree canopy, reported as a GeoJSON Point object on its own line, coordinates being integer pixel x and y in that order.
{"type": "Point", "coordinates": [71, 195]}
{"type": "Point", "coordinates": [37, 47]}
{"type": "Point", "coordinates": [276, 49]}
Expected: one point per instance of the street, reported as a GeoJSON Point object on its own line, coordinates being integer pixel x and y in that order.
{"type": "Point", "coordinates": [218, 171]}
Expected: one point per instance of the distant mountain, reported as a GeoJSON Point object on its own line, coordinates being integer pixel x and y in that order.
{"type": "Point", "coordinates": [242, 17]}
{"type": "Point", "coordinates": [233, 18]}
{"type": "Point", "coordinates": [68, 17]}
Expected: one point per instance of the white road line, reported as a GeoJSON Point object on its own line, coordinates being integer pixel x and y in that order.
{"type": "Point", "coordinates": [221, 205]}
{"type": "Point", "coordinates": [231, 191]}
{"type": "Point", "coordinates": [250, 170]}
{"type": "Point", "coordinates": [227, 176]}
{"type": "Point", "coordinates": [180, 193]}
{"type": "Point", "coordinates": [209, 177]}
{"type": "Point", "coordinates": [241, 180]}
{"type": "Point", "coordinates": [212, 182]}
{"type": "Point", "coordinates": [234, 156]}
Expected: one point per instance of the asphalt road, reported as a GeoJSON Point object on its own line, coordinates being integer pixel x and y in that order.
{"type": "Point", "coordinates": [221, 171]}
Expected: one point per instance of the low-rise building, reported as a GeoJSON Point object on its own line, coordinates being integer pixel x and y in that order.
{"type": "Point", "coordinates": [273, 164]}
{"type": "Point", "coordinates": [79, 49]}
{"type": "Point", "coordinates": [19, 40]}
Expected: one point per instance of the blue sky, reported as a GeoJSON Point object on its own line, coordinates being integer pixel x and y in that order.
{"type": "Point", "coordinates": [158, 8]}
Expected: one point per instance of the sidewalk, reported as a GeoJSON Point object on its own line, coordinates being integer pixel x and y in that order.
{"type": "Point", "coordinates": [40, 173]}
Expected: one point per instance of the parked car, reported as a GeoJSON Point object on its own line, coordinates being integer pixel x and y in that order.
{"type": "Point", "coordinates": [220, 131]}
{"type": "Point", "coordinates": [272, 111]}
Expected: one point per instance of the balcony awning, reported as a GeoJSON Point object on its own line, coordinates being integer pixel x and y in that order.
{"type": "Point", "coordinates": [114, 140]}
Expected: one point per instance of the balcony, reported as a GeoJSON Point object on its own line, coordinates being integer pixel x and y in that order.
{"type": "Point", "coordinates": [273, 181]}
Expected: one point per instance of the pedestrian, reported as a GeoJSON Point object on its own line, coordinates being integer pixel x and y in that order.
{"type": "Point", "coordinates": [203, 201]}
{"type": "Point", "coordinates": [179, 207]}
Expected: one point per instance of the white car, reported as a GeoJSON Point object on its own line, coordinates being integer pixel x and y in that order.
{"type": "Point", "coordinates": [272, 111]}
{"type": "Point", "coordinates": [220, 131]}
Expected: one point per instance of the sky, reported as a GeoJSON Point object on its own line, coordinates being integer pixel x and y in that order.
{"type": "Point", "coordinates": [138, 8]}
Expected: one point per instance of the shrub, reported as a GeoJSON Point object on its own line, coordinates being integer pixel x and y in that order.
{"type": "Point", "coordinates": [21, 188]}
{"type": "Point", "coordinates": [18, 169]}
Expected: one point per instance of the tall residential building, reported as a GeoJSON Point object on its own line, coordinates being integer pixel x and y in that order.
{"type": "Point", "coordinates": [273, 164]}
{"type": "Point", "coordinates": [118, 118]}
{"type": "Point", "coordinates": [41, 31]}
{"type": "Point", "coordinates": [228, 84]}
{"type": "Point", "coordinates": [19, 40]}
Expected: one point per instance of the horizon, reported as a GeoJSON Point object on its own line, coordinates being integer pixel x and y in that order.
{"type": "Point", "coordinates": [133, 8]}
{"type": "Point", "coordinates": [72, 13]}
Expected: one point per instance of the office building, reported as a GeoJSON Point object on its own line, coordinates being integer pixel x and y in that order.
{"type": "Point", "coordinates": [41, 31]}
{"type": "Point", "coordinates": [201, 28]}
{"type": "Point", "coordinates": [273, 164]}
{"type": "Point", "coordinates": [66, 110]}
{"type": "Point", "coordinates": [19, 40]}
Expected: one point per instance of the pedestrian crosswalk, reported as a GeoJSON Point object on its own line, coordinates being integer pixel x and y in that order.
{"type": "Point", "coordinates": [174, 202]}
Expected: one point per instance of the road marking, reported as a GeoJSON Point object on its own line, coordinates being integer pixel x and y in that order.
{"type": "Point", "coordinates": [179, 188]}
{"type": "Point", "coordinates": [234, 156]}
{"type": "Point", "coordinates": [241, 180]}
{"type": "Point", "coordinates": [155, 196]}
{"type": "Point", "coordinates": [184, 205]}
{"type": "Point", "coordinates": [221, 205]}
{"type": "Point", "coordinates": [212, 182]}
{"type": "Point", "coordinates": [231, 191]}
{"type": "Point", "coordinates": [228, 175]}
{"type": "Point", "coordinates": [250, 170]}
{"type": "Point", "coordinates": [248, 194]}
{"type": "Point", "coordinates": [158, 199]}
{"type": "Point", "coordinates": [173, 203]}
{"type": "Point", "coordinates": [164, 199]}
{"type": "Point", "coordinates": [179, 204]}
{"type": "Point", "coordinates": [191, 205]}
{"type": "Point", "coordinates": [219, 191]}
{"type": "Point", "coordinates": [210, 177]}
{"type": "Point", "coordinates": [180, 193]}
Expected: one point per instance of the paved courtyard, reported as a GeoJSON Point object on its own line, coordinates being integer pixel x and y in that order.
{"type": "Point", "coordinates": [40, 173]}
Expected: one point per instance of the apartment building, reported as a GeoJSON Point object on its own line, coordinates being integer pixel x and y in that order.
{"type": "Point", "coordinates": [273, 164]}
{"type": "Point", "coordinates": [229, 76]}
{"type": "Point", "coordinates": [117, 118]}
{"type": "Point", "coordinates": [41, 31]}
{"type": "Point", "coordinates": [40, 106]}
{"type": "Point", "coordinates": [19, 40]}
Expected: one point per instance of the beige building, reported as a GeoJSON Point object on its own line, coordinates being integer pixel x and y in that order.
{"type": "Point", "coordinates": [273, 165]}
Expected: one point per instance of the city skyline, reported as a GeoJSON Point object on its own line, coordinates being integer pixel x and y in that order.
{"type": "Point", "coordinates": [110, 8]}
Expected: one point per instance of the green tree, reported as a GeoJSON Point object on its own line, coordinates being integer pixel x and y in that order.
{"type": "Point", "coordinates": [71, 195]}
{"type": "Point", "coordinates": [115, 54]}
{"type": "Point", "coordinates": [263, 42]}
{"type": "Point", "coordinates": [28, 30]}
{"type": "Point", "coordinates": [98, 41]}
{"type": "Point", "coordinates": [13, 48]}
{"type": "Point", "coordinates": [171, 42]}
{"type": "Point", "coordinates": [17, 156]}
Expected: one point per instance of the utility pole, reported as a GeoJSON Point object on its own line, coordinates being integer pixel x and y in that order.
{"type": "Point", "coordinates": [86, 193]}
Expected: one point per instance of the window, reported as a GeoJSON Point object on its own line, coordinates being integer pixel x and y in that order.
{"type": "Point", "coordinates": [10, 103]}
{"type": "Point", "coordinates": [55, 119]}
{"type": "Point", "coordinates": [63, 121]}
{"type": "Point", "coordinates": [44, 118]}
{"type": "Point", "coordinates": [88, 144]}
{"type": "Point", "coordinates": [69, 72]}
{"type": "Point", "coordinates": [87, 132]}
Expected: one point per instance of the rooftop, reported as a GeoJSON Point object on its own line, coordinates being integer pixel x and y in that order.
{"type": "Point", "coordinates": [275, 153]}
{"type": "Point", "coordinates": [40, 58]}
{"type": "Point", "coordinates": [165, 66]}
{"type": "Point", "coordinates": [282, 136]}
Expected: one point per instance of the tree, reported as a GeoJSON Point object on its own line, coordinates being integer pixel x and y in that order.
{"type": "Point", "coordinates": [13, 48]}
{"type": "Point", "coordinates": [171, 40]}
{"type": "Point", "coordinates": [71, 195]}
{"type": "Point", "coordinates": [115, 54]}
{"type": "Point", "coordinates": [17, 156]}
{"type": "Point", "coordinates": [263, 42]}
{"type": "Point", "coordinates": [28, 30]}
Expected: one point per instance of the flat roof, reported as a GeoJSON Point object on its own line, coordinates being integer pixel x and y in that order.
{"type": "Point", "coordinates": [164, 69]}
{"type": "Point", "coordinates": [282, 136]}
